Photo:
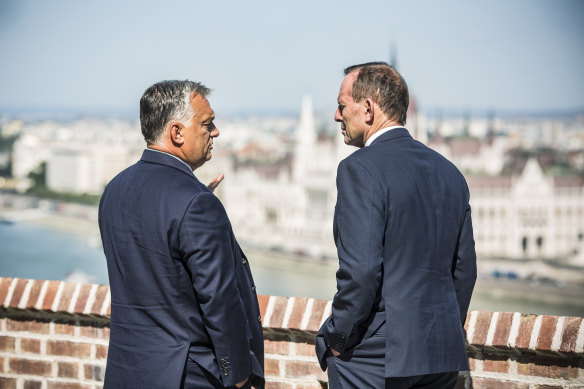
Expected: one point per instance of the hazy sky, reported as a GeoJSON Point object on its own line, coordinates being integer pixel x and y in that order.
{"type": "Point", "coordinates": [262, 56]}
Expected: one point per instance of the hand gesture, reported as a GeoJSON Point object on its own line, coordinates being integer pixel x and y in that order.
{"type": "Point", "coordinates": [215, 182]}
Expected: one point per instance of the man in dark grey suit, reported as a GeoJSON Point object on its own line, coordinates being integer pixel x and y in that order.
{"type": "Point", "coordinates": [403, 230]}
{"type": "Point", "coordinates": [184, 310]}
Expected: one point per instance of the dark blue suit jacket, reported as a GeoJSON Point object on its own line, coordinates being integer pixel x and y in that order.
{"type": "Point", "coordinates": [180, 285]}
{"type": "Point", "coordinates": [404, 237]}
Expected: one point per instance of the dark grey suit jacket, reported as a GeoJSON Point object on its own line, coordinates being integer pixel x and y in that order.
{"type": "Point", "coordinates": [406, 252]}
{"type": "Point", "coordinates": [180, 285]}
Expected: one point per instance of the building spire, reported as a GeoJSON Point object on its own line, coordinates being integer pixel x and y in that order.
{"type": "Point", "coordinates": [306, 129]}
{"type": "Point", "coordinates": [305, 139]}
{"type": "Point", "coordinates": [393, 54]}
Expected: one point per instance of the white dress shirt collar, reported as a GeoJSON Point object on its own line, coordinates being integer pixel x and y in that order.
{"type": "Point", "coordinates": [379, 133]}
{"type": "Point", "coordinates": [174, 156]}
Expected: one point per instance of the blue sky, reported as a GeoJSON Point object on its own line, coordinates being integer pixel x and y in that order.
{"type": "Point", "coordinates": [262, 56]}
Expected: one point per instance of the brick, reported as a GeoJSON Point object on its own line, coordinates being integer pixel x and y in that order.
{"type": "Point", "coordinates": [303, 369]}
{"type": "Point", "coordinates": [66, 296]}
{"type": "Point", "coordinates": [279, 385]}
{"type": "Point", "coordinates": [276, 347]}
{"type": "Point", "coordinates": [501, 338]}
{"type": "Point", "coordinates": [546, 332]}
{"type": "Point", "coordinates": [7, 343]}
{"type": "Point", "coordinates": [82, 298]}
{"type": "Point", "coordinates": [101, 351]}
{"type": "Point", "coordinates": [29, 367]}
{"type": "Point", "coordinates": [525, 329]}
{"type": "Point", "coordinates": [272, 367]}
{"type": "Point", "coordinates": [33, 385]}
{"type": "Point", "coordinates": [69, 349]}
{"type": "Point", "coordinates": [67, 385]}
{"type": "Point", "coordinates": [2, 365]}
{"type": "Point", "coordinates": [316, 316]}
{"type": "Point", "coordinates": [481, 327]}
{"type": "Point", "coordinates": [4, 286]}
{"type": "Point", "coordinates": [263, 303]}
{"type": "Point", "coordinates": [297, 312]}
{"type": "Point", "coordinates": [472, 363]}
{"type": "Point", "coordinates": [279, 311]}
{"type": "Point", "coordinates": [548, 367]}
{"type": "Point", "coordinates": [7, 383]}
{"type": "Point", "coordinates": [100, 295]}
{"type": "Point", "coordinates": [52, 288]}
{"type": "Point", "coordinates": [34, 326]}
{"type": "Point", "coordinates": [496, 365]}
{"type": "Point", "coordinates": [18, 291]}
{"type": "Point", "coordinates": [30, 345]}
{"type": "Point", "coordinates": [35, 292]}
{"type": "Point", "coordinates": [570, 334]}
{"type": "Point", "coordinates": [305, 349]}
{"type": "Point", "coordinates": [491, 383]}
{"type": "Point", "coordinates": [67, 370]}
{"type": "Point", "coordinates": [64, 329]}
{"type": "Point", "coordinates": [94, 372]}
{"type": "Point", "coordinates": [94, 332]}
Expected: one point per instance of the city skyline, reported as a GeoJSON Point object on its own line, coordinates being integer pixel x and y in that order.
{"type": "Point", "coordinates": [260, 57]}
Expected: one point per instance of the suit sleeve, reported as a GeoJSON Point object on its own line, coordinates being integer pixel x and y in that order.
{"type": "Point", "coordinates": [359, 230]}
{"type": "Point", "coordinates": [206, 241]}
{"type": "Point", "coordinates": [465, 265]}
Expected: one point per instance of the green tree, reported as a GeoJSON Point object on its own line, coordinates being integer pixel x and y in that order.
{"type": "Point", "coordinates": [39, 176]}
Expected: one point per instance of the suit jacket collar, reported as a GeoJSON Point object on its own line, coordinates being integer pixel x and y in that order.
{"type": "Point", "coordinates": [163, 158]}
{"type": "Point", "coordinates": [399, 132]}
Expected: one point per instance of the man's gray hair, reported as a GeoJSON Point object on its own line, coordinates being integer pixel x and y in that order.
{"type": "Point", "coordinates": [382, 83]}
{"type": "Point", "coordinates": [164, 102]}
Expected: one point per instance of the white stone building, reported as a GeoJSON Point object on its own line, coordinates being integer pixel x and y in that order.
{"type": "Point", "coordinates": [287, 201]}
{"type": "Point", "coordinates": [281, 193]}
{"type": "Point", "coordinates": [87, 168]}
{"type": "Point", "coordinates": [81, 157]}
{"type": "Point", "coordinates": [527, 216]}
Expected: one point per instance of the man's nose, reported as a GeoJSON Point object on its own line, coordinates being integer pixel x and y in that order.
{"type": "Point", "coordinates": [215, 133]}
{"type": "Point", "coordinates": [338, 117]}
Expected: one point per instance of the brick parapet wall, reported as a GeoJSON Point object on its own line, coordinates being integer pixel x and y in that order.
{"type": "Point", "coordinates": [55, 335]}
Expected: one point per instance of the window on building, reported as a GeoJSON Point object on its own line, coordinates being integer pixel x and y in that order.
{"type": "Point", "coordinates": [317, 198]}
{"type": "Point", "coordinates": [539, 243]}
{"type": "Point", "coordinates": [271, 216]}
{"type": "Point", "coordinates": [524, 244]}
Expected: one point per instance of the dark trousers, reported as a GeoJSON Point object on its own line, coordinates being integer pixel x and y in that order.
{"type": "Point", "coordinates": [365, 368]}
{"type": "Point", "coordinates": [197, 378]}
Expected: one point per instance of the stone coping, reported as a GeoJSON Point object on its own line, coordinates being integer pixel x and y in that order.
{"type": "Point", "coordinates": [542, 334]}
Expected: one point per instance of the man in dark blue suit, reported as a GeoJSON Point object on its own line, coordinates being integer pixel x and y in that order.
{"type": "Point", "coordinates": [403, 230]}
{"type": "Point", "coordinates": [184, 310]}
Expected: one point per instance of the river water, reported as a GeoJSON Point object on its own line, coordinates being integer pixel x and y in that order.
{"type": "Point", "coordinates": [31, 251]}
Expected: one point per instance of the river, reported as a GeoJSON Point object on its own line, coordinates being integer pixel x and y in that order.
{"type": "Point", "coordinates": [35, 251]}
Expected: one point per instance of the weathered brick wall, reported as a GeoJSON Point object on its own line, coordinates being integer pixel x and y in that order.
{"type": "Point", "coordinates": [513, 350]}
{"type": "Point", "coordinates": [55, 335]}
{"type": "Point", "coordinates": [52, 334]}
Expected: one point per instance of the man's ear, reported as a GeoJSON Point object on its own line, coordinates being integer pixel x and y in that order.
{"type": "Point", "coordinates": [175, 130]}
{"type": "Point", "coordinates": [369, 107]}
